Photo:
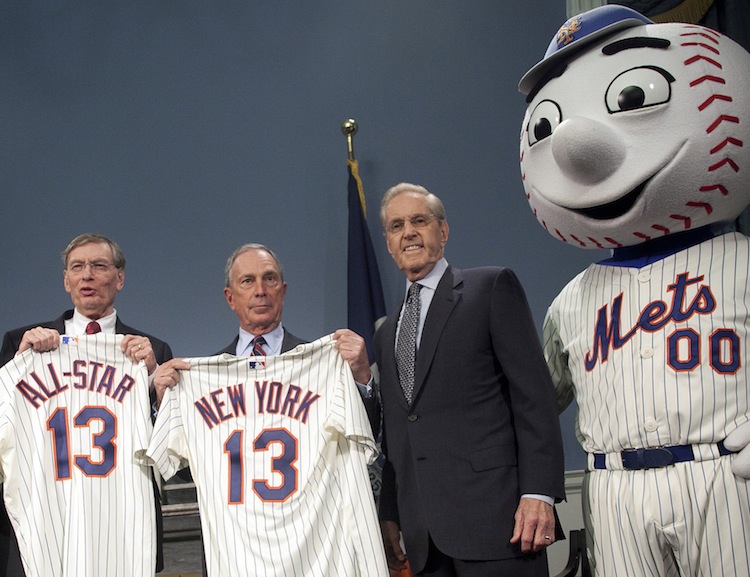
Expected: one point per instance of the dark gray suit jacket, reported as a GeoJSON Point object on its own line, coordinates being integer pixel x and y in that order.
{"type": "Point", "coordinates": [10, 558]}
{"type": "Point", "coordinates": [483, 426]}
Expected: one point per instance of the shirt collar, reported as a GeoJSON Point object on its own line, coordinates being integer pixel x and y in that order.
{"type": "Point", "coordinates": [274, 340]}
{"type": "Point", "coordinates": [76, 325]}
{"type": "Point", "coordinates": [432, 278]}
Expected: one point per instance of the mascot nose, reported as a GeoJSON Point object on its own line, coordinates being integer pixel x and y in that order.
{"type": "Point", "coordinates": [587, 151]}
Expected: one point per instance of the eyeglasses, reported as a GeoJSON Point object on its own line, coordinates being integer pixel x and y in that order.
{"type": "Point", "coordinates": [417, 221]}
{"type": "Point", "coordinates": [97, 267]}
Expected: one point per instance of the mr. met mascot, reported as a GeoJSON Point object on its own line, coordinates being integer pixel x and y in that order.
{"type": "Point", "coordinates": [637, 139]}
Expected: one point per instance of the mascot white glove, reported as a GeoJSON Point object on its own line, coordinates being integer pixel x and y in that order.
{"type": "Point", "coordinates": [739, 440]}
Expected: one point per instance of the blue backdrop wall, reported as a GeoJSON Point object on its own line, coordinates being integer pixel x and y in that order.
{"type": "Point", "coordinates": [183, 129]}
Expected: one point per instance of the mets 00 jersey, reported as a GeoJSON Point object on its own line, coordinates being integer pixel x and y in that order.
{"type": "Point", "coordinates": [278, 449]}
{"type": "Point", "coordinates": [70, 422]}
{"type": "Point", "coordinates": [657, 355]}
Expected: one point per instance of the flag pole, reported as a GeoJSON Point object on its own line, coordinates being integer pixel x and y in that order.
{"type": "Point", "coordinates": [349, 129]}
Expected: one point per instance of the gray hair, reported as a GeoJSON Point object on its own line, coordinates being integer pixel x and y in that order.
{"type": "Point", "coordinates": [245, 248]}
{"type": "Point", "coordinates": [118, 258]}
{"type": "Point", "coordinates": [433, 202]}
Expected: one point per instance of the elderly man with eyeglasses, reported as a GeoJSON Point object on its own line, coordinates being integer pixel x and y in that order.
{"type": "Point", "coordinates": [474, 460]}
{"type": "Point", "coordinates": [93, 274]}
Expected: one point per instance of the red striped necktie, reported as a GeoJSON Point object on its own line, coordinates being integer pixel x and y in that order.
{"type": "Point", "coordinates": [258, 350]}
{"type": "Point", "coordinates": [92, 328]}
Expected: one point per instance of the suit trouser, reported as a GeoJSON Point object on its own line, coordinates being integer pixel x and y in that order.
{"type": "Point", "coordinates": [441, 565]}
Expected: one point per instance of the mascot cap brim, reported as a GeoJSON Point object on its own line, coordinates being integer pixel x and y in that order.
{"type": "Point", "coordinates": [576, 33]}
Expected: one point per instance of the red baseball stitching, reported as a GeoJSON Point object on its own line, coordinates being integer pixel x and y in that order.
{"type": "Point", "coordinates": [713, 37]}
{"type": "Point", "coordinates": [711, 99]}
{"type": "Point", "coordinates": [578, 240]}
{"type": "Point", "coordinates": [705, 205]}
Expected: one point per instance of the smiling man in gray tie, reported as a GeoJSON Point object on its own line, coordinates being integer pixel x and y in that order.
{"type": "Point", "coordinates": [474, 457]}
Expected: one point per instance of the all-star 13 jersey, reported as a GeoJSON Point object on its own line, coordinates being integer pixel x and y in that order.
{"type": "Point", "coordinates": [70, 422]}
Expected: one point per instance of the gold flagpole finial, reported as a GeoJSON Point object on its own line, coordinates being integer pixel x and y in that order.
{"type": "Point", "coordinates": [349, 129]}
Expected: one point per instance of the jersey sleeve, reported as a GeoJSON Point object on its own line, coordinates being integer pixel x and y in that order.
{"type": "Point", "coordinates": [557, 359]}
{"type": "Point", "coordinates": [9, 375]}
{"type": "Point", "coordinates": [168, 450]}
{"type": "Point", "coordinates": [347, 413]}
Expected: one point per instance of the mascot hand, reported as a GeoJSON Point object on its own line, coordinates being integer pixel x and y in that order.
{"type": "Point", "coordinates": [739, 440]}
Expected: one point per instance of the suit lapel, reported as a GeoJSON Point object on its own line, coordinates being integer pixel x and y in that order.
{"type": "Point", "coordinates": [447, 296]}
{"type": "Point", "coordinates": [59, 323]}
{"type": "Point", "coordinates": [231, 348]}
{"type": "Point", "coordinates": [123, 329]}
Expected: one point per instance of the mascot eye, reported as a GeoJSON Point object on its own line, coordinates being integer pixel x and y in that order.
{"type": "Point", "coordinates": [543, 121]}
{"type": "Point", "coordinates": [639, 88]}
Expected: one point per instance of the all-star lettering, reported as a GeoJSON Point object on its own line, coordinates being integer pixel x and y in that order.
{"type": "Point", "coordinates": [84, 375]}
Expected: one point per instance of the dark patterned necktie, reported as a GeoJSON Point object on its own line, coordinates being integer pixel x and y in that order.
{"type": "Point", "coordinates": [258, 351]}
{"type": "Point", "coordinates": [92, 328]}
{"type": "Point", "coordinates": [406, 347]}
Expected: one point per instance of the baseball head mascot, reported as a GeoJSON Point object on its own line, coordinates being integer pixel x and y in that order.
{"type": "Point", "coordinates": [637, 139]}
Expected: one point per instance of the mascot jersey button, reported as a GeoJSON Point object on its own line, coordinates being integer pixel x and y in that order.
{"type": "Point", "coordinates": [650, 425]}
{"type": "Point", "coordinates": [647, 352]}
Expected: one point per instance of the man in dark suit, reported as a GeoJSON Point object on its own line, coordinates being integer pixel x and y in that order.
{"type": "Point", "coordinates": [93, 274]}
{"type": "Point", "coordinates": [254, 288]}
{"type": "Point", "coordinates": [474, 457]}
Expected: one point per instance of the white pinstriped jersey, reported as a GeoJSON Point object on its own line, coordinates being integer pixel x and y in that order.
{"type": "Point", "coordinates": [278, 451]}
{"type": "Point", "coordinates": [70, 422]}
{"type": "Point", "coordinates": [655, 355]}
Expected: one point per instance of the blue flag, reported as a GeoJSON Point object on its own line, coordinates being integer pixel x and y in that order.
{"type": "Point", "coordinates": [366, 306]}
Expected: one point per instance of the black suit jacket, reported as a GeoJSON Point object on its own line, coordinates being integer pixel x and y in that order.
{"type": "Point", "coordinates": [483, 427]}
{"type": "Point", "coordinates": [10, 559]}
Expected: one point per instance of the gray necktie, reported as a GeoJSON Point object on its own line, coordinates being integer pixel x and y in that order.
{"type": "Point", "coordinates": [406, 347]}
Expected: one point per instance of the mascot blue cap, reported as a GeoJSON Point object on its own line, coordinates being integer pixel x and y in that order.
{"type": "Point", "coordinates": [578, 32]}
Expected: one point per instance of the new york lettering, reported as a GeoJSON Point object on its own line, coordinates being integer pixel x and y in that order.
{"type": "Point", "coordinates": [272, 397]}
{"type": "Point", "coordinates": [653, 317]}
{"type": "Point", "coordinates": [88, 376]}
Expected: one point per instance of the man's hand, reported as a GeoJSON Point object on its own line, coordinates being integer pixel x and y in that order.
{"type": "Point", "coordinates": [353, 350]}
{"type": "Point", "coordinates": [137, 349]}
{"type": "Point", "coordinates": [167, 375]}
{"type": "Point", "coordinates": [39, 339]}
{"type": "Point", "coordinates": [535, 525]}
{"type": "Point", "coordinates": [392, 542]}
{"type": "Point", "coordinates": [739, 441]}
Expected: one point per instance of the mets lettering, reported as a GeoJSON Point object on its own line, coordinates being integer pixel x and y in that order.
{"type": "Point", "coordinates": [654, 316]}
{"type": "Point", "coordinates": [272, 397]}
{"type": "Point", "coordinates": [84, 376]}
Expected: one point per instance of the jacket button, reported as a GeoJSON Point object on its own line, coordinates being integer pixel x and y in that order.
{"type": "Point", "coordinates": [412, 418]}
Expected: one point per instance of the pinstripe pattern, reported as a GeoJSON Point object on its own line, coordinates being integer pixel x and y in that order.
{"type": "Point", "coordinates": [643, 395]}
{"type": "Point", "coordinates": [681, 520]}
{"type": "Point", "coordinates": [326, 525]}
{"type": "Point", "coordinates": [85, 526]}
